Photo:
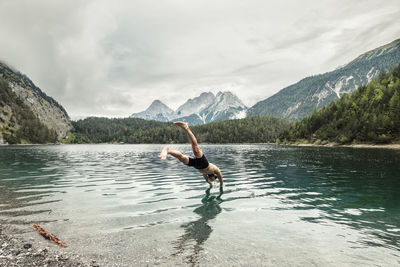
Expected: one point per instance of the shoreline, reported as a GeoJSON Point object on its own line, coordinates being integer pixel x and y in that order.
{"type": "Point", "coordinates": [18, 251]}
{"type": "Point", "coordinates": [383, 146]}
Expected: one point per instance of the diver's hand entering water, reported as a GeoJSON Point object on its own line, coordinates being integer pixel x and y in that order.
{"type": "Point", "coordinates": [221, 192]}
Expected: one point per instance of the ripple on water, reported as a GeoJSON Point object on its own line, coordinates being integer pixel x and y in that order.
{"type": "Point", "coordinates": [276, 199]}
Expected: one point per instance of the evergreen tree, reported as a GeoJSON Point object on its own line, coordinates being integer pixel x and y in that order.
{"type": "Point", "coordinates": [259, 129]}
{"type": "Point", "coordinates": [23, 125]}
{"type": "Point", "coordinates": [370, 114]}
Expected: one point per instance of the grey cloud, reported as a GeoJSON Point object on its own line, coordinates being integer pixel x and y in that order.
{"type": "Point", "coordinates": [113, 58]}
{"type": "Point", "coordinates": [250, 67]}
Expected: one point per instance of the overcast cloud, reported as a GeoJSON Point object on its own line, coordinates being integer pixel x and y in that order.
{"type": "Point", "coordinates": [113, 58]}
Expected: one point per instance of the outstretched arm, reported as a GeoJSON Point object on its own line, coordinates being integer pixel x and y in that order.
{"type": "Point", "coordinates": [221, 180]}
{"type": "Point", "coordinates": [206, 178]}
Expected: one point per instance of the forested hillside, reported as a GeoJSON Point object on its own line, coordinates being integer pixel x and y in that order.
{"type": "Point", "coordinates": [258, 129]}
{"type": "Point", "coordinates": [370, 115]}
{"type": "Point", "coordinates": [36, 102]}
{"type": "Point", "coordinates": [18, 124]}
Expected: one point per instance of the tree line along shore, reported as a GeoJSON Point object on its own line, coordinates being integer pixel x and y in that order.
{"type": "Point", "coordinates": [371, 115]}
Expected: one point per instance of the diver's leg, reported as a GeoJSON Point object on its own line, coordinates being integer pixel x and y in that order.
{"type": "Point", "coordinates": [195, 146]}
{"type": "Point", "coordinates": [184, 159]}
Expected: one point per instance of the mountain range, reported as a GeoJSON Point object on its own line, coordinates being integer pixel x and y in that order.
{"type": "Point", "coordinates": [203, 109]}
{"type": "Point", "coordinates": [293, 102]}
{"type": "Point", "coordinates": [302, 98]}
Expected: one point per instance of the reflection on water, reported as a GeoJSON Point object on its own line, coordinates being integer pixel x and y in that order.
{"type": "Point", "coordinates": [332, 206]}
{"type": "Point", "coordinates": [199, 230]}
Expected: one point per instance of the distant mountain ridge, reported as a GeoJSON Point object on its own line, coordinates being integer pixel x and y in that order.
{"type": "Point", "coordinates": [300, 99]}
{"type": "Point", "coordinates": [293, 102]}
{"type": "Point", "coordinates": [203, 109]}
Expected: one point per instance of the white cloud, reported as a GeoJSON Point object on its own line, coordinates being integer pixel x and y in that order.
{"type": "Point", "coordinates": [113, 58]}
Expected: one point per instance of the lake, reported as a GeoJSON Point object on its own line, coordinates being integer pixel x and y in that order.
{"type": "Point", "coordinates": [280, 205]}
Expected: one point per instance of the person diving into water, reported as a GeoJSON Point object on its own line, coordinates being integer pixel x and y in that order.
{"type": "Point", "coordinates": [210, 171]}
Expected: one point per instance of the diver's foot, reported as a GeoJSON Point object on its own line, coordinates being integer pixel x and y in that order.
{"type": "Point", "coordinates": [164, 153]}
{"type": "Point", "coordinates": [182, 124]}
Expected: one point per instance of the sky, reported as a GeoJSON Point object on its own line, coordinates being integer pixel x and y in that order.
{"type": "Point", "coordinates": [113, 58]}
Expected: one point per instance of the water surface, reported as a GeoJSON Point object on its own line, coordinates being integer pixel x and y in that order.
{"type": "Point", "coordinates": [296, 206]}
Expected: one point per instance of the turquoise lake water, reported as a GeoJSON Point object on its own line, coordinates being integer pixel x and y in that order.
{"type": "Point", "coordinates": [280, 206]}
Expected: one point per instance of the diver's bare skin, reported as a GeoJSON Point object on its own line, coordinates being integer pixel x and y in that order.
{"type": "Point", "coordinates": [195, 146]}
{"type": "Point", "coordinates": [166, 150]}
{"type": "Point", "coordinates": [214, 172]}
{"type": "Point", "coordinates": [210, 173]}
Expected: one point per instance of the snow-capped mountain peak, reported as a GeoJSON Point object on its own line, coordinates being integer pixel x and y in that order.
{"type": "Point", "coordinates": [157, 106]}
{"type": "Point", "coordinates": [226, 106]}
{"type": "Point", "coordinates": [225, 100]}
{"type": "Point", "coordinates": [195, 105]}
{"type": "Point", "coordinates": [156, 111]}
{"type": "Point", "coordinates": [199, 110]}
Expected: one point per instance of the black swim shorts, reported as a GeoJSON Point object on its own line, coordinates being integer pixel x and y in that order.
{"type": "Point", "coordinates": [198, 163]}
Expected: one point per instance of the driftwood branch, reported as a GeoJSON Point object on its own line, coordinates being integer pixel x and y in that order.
{"type": "Point", "coordinates": [49, 236]}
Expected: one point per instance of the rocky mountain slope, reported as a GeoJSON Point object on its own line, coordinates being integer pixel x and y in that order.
{"type": "Point", "coordinates": [200, 110]}
{"type": "Point", "coordinates": [195, 105]}
{"type": "Point", "coordinates": [157, 111]}
{"type": "Point", "coordinates": [33, 100]}
{"type": "Point", "coordinates": [226, 106]}
{"type": "Point", "coordinates": [300, 99]}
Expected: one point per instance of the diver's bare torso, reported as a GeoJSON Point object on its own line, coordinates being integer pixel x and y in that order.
{"type": "Point", "coordinates": [211, 173]}
{"type": "Point", "coordinates": [211, 169]}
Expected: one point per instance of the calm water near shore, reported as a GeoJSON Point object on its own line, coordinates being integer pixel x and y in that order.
{"type": "Point", "coordinates": [121, 204]}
